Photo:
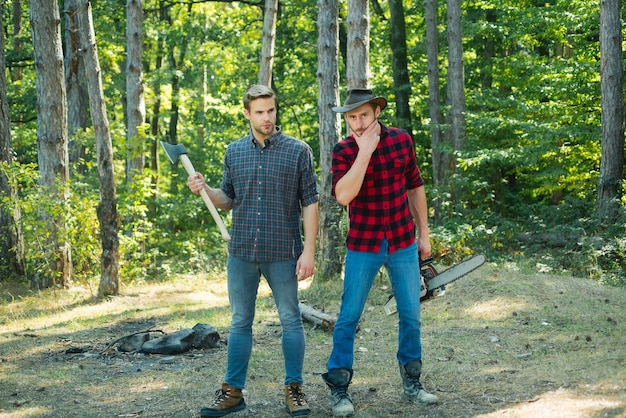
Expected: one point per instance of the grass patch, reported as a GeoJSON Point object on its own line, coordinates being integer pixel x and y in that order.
{"type": "Point", "coordinates": [499, 343]}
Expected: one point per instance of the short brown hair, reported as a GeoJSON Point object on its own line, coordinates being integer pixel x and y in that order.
{"type": "Point", "coordinates": [258, 91]}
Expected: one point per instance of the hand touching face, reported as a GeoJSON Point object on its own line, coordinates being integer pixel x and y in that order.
{"type": "Point", "coordinates": [363, 122]}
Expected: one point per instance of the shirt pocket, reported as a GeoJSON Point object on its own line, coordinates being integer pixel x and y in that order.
{"type": "Point", "coordinates": [399, 168]}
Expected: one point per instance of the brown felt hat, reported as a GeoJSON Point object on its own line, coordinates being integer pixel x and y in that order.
{"type": "Point", "coordinates": [359, 97]}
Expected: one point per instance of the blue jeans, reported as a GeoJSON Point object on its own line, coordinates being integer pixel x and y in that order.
{"type": "Point", "coordinates": [243, 284]}
{"type": "Point", "coordinates": [360, 271]}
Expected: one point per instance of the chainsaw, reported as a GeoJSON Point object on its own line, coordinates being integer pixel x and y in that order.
{"type": "Point", "coordinates": [434, 283]}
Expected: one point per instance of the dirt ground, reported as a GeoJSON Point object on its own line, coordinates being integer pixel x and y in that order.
{"type": "Point", "coordinates": [499, 344]}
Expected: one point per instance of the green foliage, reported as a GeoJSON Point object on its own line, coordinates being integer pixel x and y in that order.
{"type": "Point", "coordinates": [530, 164]}
{"type": "Point", "coordinates": [39, 206]}
{"type": "Point", "coordinates": [84, 232]}
{"type": "Point", "coordinates": [533, 130]}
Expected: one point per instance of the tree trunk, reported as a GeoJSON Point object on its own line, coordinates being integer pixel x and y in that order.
{"type": "Point", "coordinates": [176, 68]}
{"type": "Point", "coordinates": [440, 158]}
{"type": "Point", "coordinates": [52, 151]}
{"type": "Point", "coordinates": [17, 37]}
{"type": "Point", "coordinates": [269, 38]}
{"type": "Point", "coordinates": [107, 206]}
{"type": "Point", "coordinates": [156, 111]}
{"type": "Point", "coordinates": [75, 86]}
{"type": "Point", "coordinates": [135, 104]}
{"type": "Point", "coordinates": [489, 45]}
{"type": "Point", "coordinates": [612, 88]}
{"type": "Point", "coordinates": [358, 54]}
{"type": "Point", "coordinates": [401, 81]}
{"type": "Point", "coordinates": [12, 259]}
{"type": "Point", "coordinates": [330, 236]}
{"type": "Point", "coordinates": [456, 84]}
{"type": "Point", "coordinates": [343, 38]}
{"type": "Point", "coordinates": [455, 118]}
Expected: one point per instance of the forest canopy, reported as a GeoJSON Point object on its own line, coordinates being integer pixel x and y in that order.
{"type": "Point", "coordinates": [524, 189]}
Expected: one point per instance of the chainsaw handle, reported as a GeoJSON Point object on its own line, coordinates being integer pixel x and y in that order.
{"type": "Point", "coordinates": [426, 261]}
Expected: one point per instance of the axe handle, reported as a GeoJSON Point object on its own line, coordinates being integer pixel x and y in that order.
{"type": "Point", "coordinates": [207, 200]}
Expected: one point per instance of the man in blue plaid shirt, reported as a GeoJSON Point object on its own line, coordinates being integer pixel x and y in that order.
{"type": "Point", "coordinates": [270, 185]}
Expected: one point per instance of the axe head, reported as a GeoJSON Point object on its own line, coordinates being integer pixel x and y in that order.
{"type": "Point", "coordinates": [173, 151]}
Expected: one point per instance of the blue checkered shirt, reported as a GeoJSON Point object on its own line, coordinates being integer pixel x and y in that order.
{"type": "Point", "coordinates": [269, 186]}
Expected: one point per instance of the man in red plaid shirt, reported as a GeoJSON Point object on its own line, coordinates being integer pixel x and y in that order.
{"type": "Point", "coordinates": [375, 174]}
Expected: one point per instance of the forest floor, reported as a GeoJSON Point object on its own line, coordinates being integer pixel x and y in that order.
{"type": "Point", "coordinates": [500, 343]}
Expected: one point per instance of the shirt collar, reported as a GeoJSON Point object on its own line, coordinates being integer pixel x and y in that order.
{"type": "Point", "coordinates": [273, 139]}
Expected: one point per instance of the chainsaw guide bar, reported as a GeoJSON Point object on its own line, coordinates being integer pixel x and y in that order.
{"type": "Point", "coordinates": [431, 286]}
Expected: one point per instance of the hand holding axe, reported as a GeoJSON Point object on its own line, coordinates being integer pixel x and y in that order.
{"type": "Point", "coordinates": [176, 152]}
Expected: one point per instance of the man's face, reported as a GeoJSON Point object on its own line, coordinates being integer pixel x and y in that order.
{"type": "Point", "coordinates": [262, 117]}
{"type": "Point", "coordinates": [361, 118]}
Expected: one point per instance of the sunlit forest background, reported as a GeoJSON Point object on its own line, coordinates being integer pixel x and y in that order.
{"type": "Point", "coordinates": [524, 192]}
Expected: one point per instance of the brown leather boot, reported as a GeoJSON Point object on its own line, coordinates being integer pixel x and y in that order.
{"type": "Point", "coordinates": [227, 399]}
{"type": "Point", "coordinates": [294, 398]}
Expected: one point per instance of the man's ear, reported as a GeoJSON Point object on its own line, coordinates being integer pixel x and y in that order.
{"type": "Point", "coordinates": [246, 113]}
{"type": "Point", "coordinates": [377, 113]}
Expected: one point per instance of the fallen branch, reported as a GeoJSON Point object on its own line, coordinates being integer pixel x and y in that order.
{"type": "Point", "coordinates": [320, 319]}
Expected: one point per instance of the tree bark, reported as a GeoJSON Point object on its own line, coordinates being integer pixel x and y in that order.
{"type": "Point", "coordinates": [77, 96]}
{"type": "Point", "coordinates": [156, 109]}
{"type": "Point", "coordinates": [401, 81]}
{"type": "Point", "coordinates": [52, 147]}
{"type": "Point", "coordinates": [330, 236]}
{"type": "Point", "coordinates": [269, 38]}
{"type": "Point", "coordinates": [176, 67]}
{"type": "Point", "coordinates": [612, 89]}
{"type": "Point", "coordinates": [358, 54]}
{"type": "Point", "coordinates": [456, 77]}
{"type": "Point", "coordinates": [16, 74]}
{"type": "Point", "coordinates": [107, 206]}
{"type": "Point", "coordinates": [455, 117]}
{"type": "Point", "coordinates": [12, 253]}
{"type": "Point", "coordinates": [136, 105]}
{"type": "Point", "coordinates": [440, 158]}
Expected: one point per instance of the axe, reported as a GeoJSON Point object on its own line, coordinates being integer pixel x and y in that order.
{"type": "Point", "coordinates": [176, 152]}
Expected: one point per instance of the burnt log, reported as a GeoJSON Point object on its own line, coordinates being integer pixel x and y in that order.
{"type": "Point", "coordinates": [176, 343]}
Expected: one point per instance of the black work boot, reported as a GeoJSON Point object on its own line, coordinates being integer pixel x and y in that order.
{"type": "Point", "coordinates": [338, 381]}
{"type": "Point", "coordinates": [412, 388]}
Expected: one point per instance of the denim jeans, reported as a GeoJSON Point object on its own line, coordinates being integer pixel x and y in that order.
{"type": "Point", "coordinates": [243, 283]}
{"type": "Point", "coordinates": [360, 271]}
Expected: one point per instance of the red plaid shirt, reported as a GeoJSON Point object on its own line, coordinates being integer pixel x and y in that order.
{"type": "Point", "coordinates": [381, 209]}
